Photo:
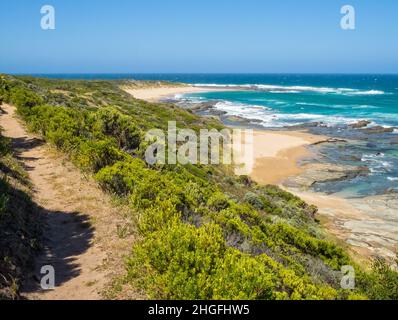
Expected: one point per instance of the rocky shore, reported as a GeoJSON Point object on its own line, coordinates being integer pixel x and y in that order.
{"type": "Point", "coordinates": [325, 172]}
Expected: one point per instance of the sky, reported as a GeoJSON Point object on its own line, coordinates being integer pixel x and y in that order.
{"type": "Point", "coordinates": [191, 36]}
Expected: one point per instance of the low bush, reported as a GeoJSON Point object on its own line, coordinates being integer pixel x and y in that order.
{"type": "Point", "coordinates": [94, 155]}
{"type": "Point", "coordinates": [112, 122]}
{"type": "Point", "coordinates": [5, 146]}
{"type": "Point", "coordinates": [218, 201]}
{"type": "Point", "coordinates": [254, 200]}
{"type": "Point", "coordinates": [121, 178]}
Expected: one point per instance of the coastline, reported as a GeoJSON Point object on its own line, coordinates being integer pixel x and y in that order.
{"type": "Point", "coordinates": [157, 94]}
{"type": "Point", "coordinates": [272, 149]}
{"type": "Point", "coordinates": [277, 156]}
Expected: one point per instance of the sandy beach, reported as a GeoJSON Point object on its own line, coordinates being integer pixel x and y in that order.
{"type": "Point", "coordinates": [159, 93]}
{"type": "Point", "coordinates": [276, 154]}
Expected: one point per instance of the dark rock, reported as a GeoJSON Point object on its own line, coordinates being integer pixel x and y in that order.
{"type": "Point", "coordinates": [391, 191]}
{"type": "Point", "coordinates": [350, 158]}
{"type": "Point", "coordinates": [307, 125]}
{"type": "Point", "coordinates": [371, 145]}
{"type": "Point", "coordinates": [237, 119]}
{"type": "Point", "coordinates": [360, 124]}
{"type": "Point", "coordinates": [204, 106]}
{"type": "Point", "coordinates": [218, 112]}
{"type": "Point", "coordinates": [330, 140]}
{"type": "Point", "coordinates": [377, 129]}
{"type": "Point", "coordinates": [326, 172]}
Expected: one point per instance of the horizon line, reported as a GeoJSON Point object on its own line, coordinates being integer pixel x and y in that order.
{"type": "Point", "coordinates": [200, 73]}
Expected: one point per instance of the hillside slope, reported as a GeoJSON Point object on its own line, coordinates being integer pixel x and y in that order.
{"type": "Point", "coordinates": [203, 232]}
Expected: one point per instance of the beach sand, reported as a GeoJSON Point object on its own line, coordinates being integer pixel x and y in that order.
{"type": "Point", "coordinates": [155, 94]}
{"type": "Point", "coordinates": [276, 154]}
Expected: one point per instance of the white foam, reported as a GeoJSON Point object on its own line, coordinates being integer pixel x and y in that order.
{"type": "Point", "coordinates": [376, 163]}
{"type": "Point", "coordinates": [392, 178]}
{"type": "Point", "coordinates": [264, 116]}
{"type": "Point", "coordinates": [285, 91]}
{"type": "Point", "coordinates": [294, 89]}
{"type": "Point", "coordinates": [268, 118]}
{"type": "Point", "coordinates": [364, 107]}
{"type": "Point", "coordinates": [366, 93]}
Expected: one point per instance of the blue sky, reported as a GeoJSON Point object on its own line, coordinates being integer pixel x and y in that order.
{"type": "Point", "coordinates": [127, 36]}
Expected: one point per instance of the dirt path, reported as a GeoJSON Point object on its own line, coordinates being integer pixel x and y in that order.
{"type": "Point", "coordinates": [81, 237]}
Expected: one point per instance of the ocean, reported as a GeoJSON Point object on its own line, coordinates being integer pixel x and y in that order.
{"type": "Point", "coordinates": [333, 101]}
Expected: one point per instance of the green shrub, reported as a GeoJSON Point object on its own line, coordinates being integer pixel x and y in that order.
{"type": "Point", "coordinates": [4, 145]}
{"type": "Point", "coordinates": [245, 180]}
{"type": "Point", "coordinates": [24, 99]}
{"type": "Point", "coordinates": [155, 187]}
{"type": "Point", "coordinates": [254, 200]}
{"type": "Point", "coordinates": [159, 215]}
{"type": "Point", "coordinates": [241, 277]}
{"type": "Point", "coordinates": [95, 155]}
{"type": "Point", "coordinates": [381, 283]}
{"type": "Point", "coordinates": [60, 126]}
{"type": "Point", "coordinates": [178, 262]}
{"type": "Point", "coordinates": [218, 201]}
{"type": "Point", "coordinates": [112, 122]}
{"type": "Point", "coordinates": [122, 177]}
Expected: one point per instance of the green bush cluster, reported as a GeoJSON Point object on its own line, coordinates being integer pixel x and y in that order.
{"type": "Point", "coordinates": [4, 145]}
{"type": "Point", "coordinates": [114, 124]}
{"type": "Point", "coordinates": [185, 262]}
{"type": "Point", "coordinates": [381, 283]}
{"type": "Point", "coordinates": [20, 227]}
{"type": "Point", "coordinates": [203, 236]}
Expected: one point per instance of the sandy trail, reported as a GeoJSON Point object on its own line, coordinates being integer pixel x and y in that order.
{"type": "Point", "coordinates": [81, 241]}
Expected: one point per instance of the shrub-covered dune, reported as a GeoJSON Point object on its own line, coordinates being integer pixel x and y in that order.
{"type": "Point", "coordinates": [205, 233]}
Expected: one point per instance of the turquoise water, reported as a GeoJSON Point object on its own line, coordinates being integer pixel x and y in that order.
{"type": "Point", "coordinates": [289, 100]}
{"type": "Point", "coordinates": [335, 101]}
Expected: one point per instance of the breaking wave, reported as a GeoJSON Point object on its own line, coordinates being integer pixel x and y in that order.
{"type": "Point", "coordinates": [292, 89]}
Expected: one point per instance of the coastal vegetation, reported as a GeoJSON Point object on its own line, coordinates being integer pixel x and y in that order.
{"type": "Point", "coordinates": [20, 223]}
{"type": "Point", "coordinates": [204, 232]}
